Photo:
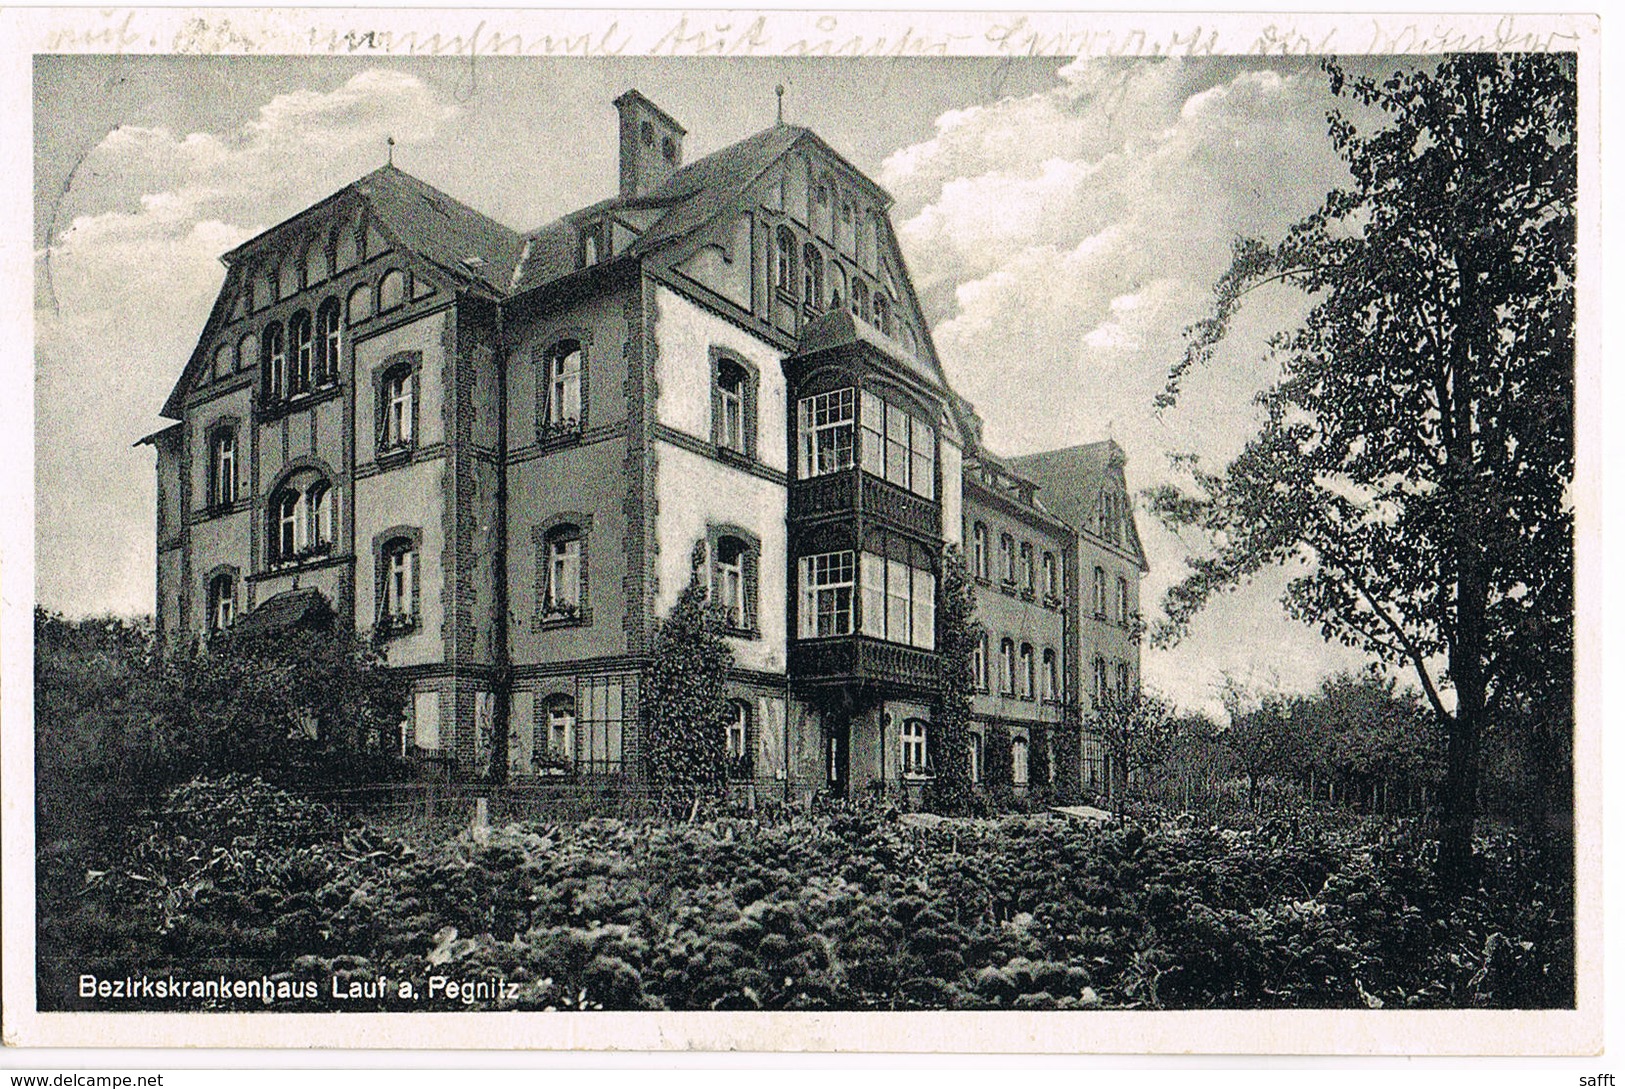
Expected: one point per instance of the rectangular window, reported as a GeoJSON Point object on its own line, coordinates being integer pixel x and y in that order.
{"type": "Point", "coordinates": [426, 720]}
{"type": "Point", "coordinates": [825, 425]}
{"type": "Point", "coordinates": [1027, 566]}
{"type": "Point", "coordinates": [225, 468]}
{"type": "Point", "coordinates": [564, 388]}
{"type": "Point", "coordinates": [1052, 587]}
{"type": "Point", "coordinates": [925, 609]}
{"type": "Point", "coordinates": [826, 595]}
{"type": "Point", "coordinates": [899, 601]}
{"type": "Point", "coordinates": [897, 446]}
{"type": "Point", "coordinates": [874, 434]}
{"type": "Point", "coordinates": [1100, 593]}
{"type": "Point", "coordinates": [1122, 601]}
{"type": "Point", "coordinates": [601, 725]}
{"type": "Point", "coordinates": [564, 573]}
{"type": "Point", "coordinates": [923, 472]}
{"type": "Point", "coordinates": [1007, 558]}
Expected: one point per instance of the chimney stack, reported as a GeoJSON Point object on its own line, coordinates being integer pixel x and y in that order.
{"type": "Point", "coordinates": [651, 144]}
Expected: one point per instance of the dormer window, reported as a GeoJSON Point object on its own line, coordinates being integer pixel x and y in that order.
{"type": "Point", "coordinates": [668, 150]}
{"type": "Point", "coordinates": [592, 245]}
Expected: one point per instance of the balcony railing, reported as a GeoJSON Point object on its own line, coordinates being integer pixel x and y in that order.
{"type": "Point", "coordinates": [857, 659]}
{"type": "Point", "coordinates": [901, 508]}
{"type": "Point", "coordinates": [832, 493]}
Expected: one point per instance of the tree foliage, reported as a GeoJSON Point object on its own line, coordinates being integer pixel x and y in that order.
{"type": "Point", "coordinates": [1417, 450]}
{"type": "Point", "coordinates": [1140, 730]}
{"type": "Point", "coordinates": [685, 703]}
{"type": "Point", "coordinates": [949, 792]}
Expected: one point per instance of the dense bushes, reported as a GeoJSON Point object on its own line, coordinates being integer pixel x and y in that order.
{"type": "Point", "coordinates": [846, 910]}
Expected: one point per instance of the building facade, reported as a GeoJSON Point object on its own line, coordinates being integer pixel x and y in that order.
{"type": "Point", "coordinates": [505, 452]}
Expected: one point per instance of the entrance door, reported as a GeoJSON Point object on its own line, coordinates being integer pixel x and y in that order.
{"type": "Point", "coordinates": [837, 739]}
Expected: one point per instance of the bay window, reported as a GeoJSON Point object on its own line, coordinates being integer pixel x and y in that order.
{"type": "Point", "coordinates": [825, 423]}
{"type": "Point", "coordinates": [827, 584]}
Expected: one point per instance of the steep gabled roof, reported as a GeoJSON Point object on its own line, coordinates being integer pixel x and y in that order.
{"type": "Point", "coordinates": [443, 231]}
{"type": "Point", "coordinates": [1070, 481]}
{"type": "Point", "coordinates": [474, 249]}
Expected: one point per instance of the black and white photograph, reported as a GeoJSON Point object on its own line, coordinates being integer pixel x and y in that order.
{"type": "Point", "coordinates": [648, 521]}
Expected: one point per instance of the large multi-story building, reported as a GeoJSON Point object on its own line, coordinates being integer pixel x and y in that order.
{"type": "Point", "coordinates": [505, 452]}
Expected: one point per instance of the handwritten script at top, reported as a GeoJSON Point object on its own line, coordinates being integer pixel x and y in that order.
{"type": "Point", "coordinates": [386, 34]}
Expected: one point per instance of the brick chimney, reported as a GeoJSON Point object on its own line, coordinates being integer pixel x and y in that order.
{"type": "Point", "coordinates": [651, 144]}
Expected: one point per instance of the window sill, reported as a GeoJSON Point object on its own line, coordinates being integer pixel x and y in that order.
{"type": "Point", "coordinates": [918, 776]}
{"type": "Point", "coordinates": [397, 454]}
{"type": "Point", "coordinates": [308, 558]}
{"type": "Point", "coordinates": [1008, 589]}
{"type": "Point", "coordinates": [983, 580]}
{"type": "Point", "coordinates": [276, 409]}
{"type": "Point", "coordinates": [732, 456]}
{"type": "Point", "coordinates": [550, 620]}
{"type": "Point", "coordinates": [732, 632]}
{"type": "Point", "coordinates": [391, 627]}
{"type": "Point", "coordinates": [1028, 595]}
{"type": "Point", "coordinates": [557, 436]}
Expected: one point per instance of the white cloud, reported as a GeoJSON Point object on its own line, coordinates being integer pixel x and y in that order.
{"type": "Point", "coordinates": [1064, 240]}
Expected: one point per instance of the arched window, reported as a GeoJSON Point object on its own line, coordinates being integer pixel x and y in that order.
{"type": "Point", "coordinates": [301, 518]}
{"type": "Point", "coordinates": [556, 735]}
{"type": "Point", "coordinates": [360, 304]}
{"type": "Point", "coordinates": [223, 467]}
{"type": "Point", "coordinates": [733, 387]}
{"type": "Point", "coordinates": [1018, 761]}
{"type": "Point", "coordinates": [975, 758]}
{"type": "Point", "coordinates": [732, 579]}
{"type": "Point", "coordinates": [327, 342]}
{"type": "Point", "coordinates": [287, 283]}
{"type": "Point", "coordinates": [222, 601]}
{"type": "Point", "coordinates": [1007, 667]}
{"type": "Point", "coordinates": [398, 573]}
{"type": "Point", "coordinates": [739, 753]}
{"type": "Point", "coordinates": [276, 362]}
{"type": "Point", "coordinates": [304, 353]}
{"type": "Point", "coordinates": [1051, 678]}
{"type": "Point", "coordinates": [979, 550]}
{"type": "Point", "coordinates": [316, 261]}
{"type": "Point", "coordinates": [860, 299]}
{"type": "Point", "coordinates": [345, 250]}
{"type": "Point", "coordinates": [220, 367]}
{"type": "Point", "coordinates": [248, 352]}
{"type": "Point", "coordinates": [883, 312]}
{"type": "Point", "coordinates": [562, 592]}
{"type": "Point", "coordinates": [812, 277]}
{"type": "Point", "coordinates": [916, 764]}
{"type": "Point", "coordinates": [785, 261]}
{"type": "Point", "coordinates": [398, 405]}
{"type": "Point", "coordinates": [1027, 671]}
{"type": "Point", "coordinates": [563, 374]}
{"type": "Point", "coordinates": [1007, 558]}
{"type": "Point", "coordinates": [979, 662]}
{"type": "Point", "coordinates": [391, 290]}
{"type": "Point", "coordinates": [838, 293]}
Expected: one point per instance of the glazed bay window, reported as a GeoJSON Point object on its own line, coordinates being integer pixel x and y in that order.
{"type": "Point", "coordinates": [899, 448]}
{"type": "Point", "coordinates": [827, 584]}
{"type": "Point", "coordinates": [899, 602]}
{"type": "Point", "coordinates": [824, 425]}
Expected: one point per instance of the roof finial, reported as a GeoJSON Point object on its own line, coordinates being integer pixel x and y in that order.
{"type": "Point", "coordinates": [390, 142]}
{"type": "Point", "coordinates": [779, 90]}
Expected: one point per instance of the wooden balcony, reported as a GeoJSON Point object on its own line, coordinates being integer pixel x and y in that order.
{"type": "Point", "coordinates": [818, 496]}
{"type": "Point", "coordinates": [856, 659]}
{"type": "Point", "coordinates": [887, 503]}
{"type": "Point", "coordinates": [852, 490]}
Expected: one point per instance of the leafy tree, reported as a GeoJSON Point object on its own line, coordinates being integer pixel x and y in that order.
{"type": "Point", "coordinates": [1140, 731]}
{"type": "Point", "coordinates": [1263, 736]}
{"type": "Point", "coordinates": [299, 704]}
{"type": "Point", "coordinates": [685, 702]}
{"type": "Point", "coordinates": [1361, 730]}
{"type": "Point", "coordinates": [998, 770]}
{"type": "Point", "coordinates": [1417, 449]}
{"type": "Point", "coordinates": [949, 737]}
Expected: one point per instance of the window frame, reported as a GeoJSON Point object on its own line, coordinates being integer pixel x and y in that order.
{"type": "Point", "coordinates": [1100, 593]}
{"type": "Point", "coordinates": [810, 461]}
{"type": "Point", "coordinates": [1007, 560]}
{"type": "Point", "coordinates": [1027, 571]}
{"type": "Point", "coordinates": [301, 353]}
{"type": "Point", "coordinates": [746, 623]}
{"type": "Point", "coordinates": [740, 726]}
{"type": "Point", "coordinates": [222, 432]}
{"type": "Point", "coordinates": [1051, 575]}
{"type": "Point", "coordinates": [1007, 667]}
{"type": "Point", "coordinates": [914, 757]}
{"type": "Point", "coordinates": [230, 578]}
{"type": "Point", "coordinates": [722, 362]}
{"type": "Point", "coordinates": [274, 361]}
{"type": "Point", "coordinates": [979, 662]}
{"type": "Point", "coordinates": [329, 340]}
{"type": "Point", "coordinates": [557, 714]}
{"type": "Point", "coordinates": [786, 249]}
{"type": "Point", "coordinates": [981, 547]}
{"type": "Point", "coordinates": [810, 591]}
{"type": "Point", "coordinates": [391, 277]}
{"type": "Point", "coordinates": [404, 369]}
{"type": "Point", "coordinates": [554, 424]}
{"type": "Point", "coordinates": [301, 505]}
{"type": "Point", "coordinates": [1029, 671]}
{"type": "Point", "coordinates": [1049, 677]}
{"type": "Point", "coordinates": [563, 527]}
{"type": "Point", "coordinates": [404, 543]}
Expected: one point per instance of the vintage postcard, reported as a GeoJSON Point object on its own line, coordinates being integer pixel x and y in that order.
{"type": "Point", "coordinates": [808, 531]}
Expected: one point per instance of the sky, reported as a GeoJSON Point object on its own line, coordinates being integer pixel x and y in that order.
{"type": "Point", "coordinates": [1063, 223]}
